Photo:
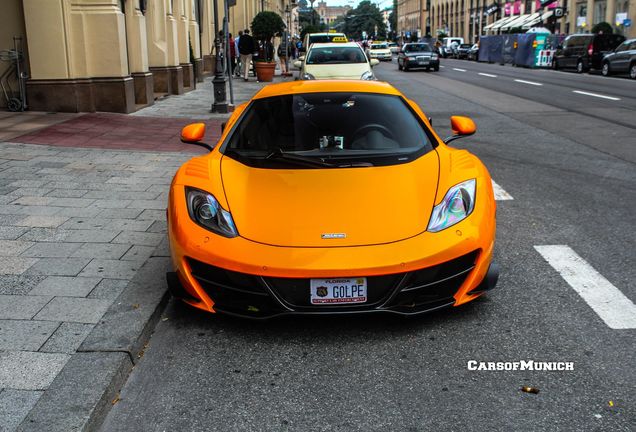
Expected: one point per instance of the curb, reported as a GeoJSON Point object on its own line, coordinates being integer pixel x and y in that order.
{"type": "Point", "coordinates": [82, 394]}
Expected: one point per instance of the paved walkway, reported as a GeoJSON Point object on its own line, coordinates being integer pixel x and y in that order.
{"type": "Point", "coordinates": [82, 209]}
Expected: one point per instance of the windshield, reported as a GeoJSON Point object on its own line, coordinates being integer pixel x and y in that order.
{"type": "Point", "coordinates": [417, 47]}
{"type": "Point", "coordinates": [335, 55]}
{"type": "Point", "coordinates": [379, 46]}
{"type": "Point", "coordinates": [337, 129]}
{"type": "Point", "coordinates": [325, 38]}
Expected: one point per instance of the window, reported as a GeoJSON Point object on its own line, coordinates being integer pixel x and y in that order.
{"type": "Point", "coordinates": [330, 128]}
{"type": "Point", "coordinates": [335, 55]}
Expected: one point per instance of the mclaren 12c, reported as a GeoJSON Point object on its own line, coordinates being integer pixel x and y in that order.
{"type": "Point", "coordinates": [331, 197]}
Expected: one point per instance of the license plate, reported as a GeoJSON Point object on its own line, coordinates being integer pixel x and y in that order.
{"type": "Point", "coordinates": [338, 291]}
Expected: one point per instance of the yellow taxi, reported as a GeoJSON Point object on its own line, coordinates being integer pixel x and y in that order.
{"type": "Point", "coordinates": [380, 51]}
{"type": "Point", "coordinates": [335, 61]}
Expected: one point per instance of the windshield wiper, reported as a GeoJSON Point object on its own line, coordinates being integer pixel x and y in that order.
{"type": "Point", "coordinates": [278, 153]}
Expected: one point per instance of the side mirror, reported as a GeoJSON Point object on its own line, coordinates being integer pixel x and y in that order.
{"type": "Point", "coordinates": [374, 62]}
{"type": "Point", "coordinates": [559, 47]}
{"type": "Point", "coordinates": [193, 134]}
{"type": "Point", "coordinates": [223, 126]}
{"type": "Point", "coordinates": [298, 64]}
{"type": "Point", "coordinates": [462, 127]}
{"type": "Point", "coordinates": [301, 58]}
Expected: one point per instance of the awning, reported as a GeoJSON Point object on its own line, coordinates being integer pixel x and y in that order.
{"type": "Point", "coordinates": [503, 22]}
{"type": "Point", "coordinates": [535, 19]}
{"type": "Point", "coordinates": [499, 23]}
{"type": "Point", "coordinates": [519, 21]}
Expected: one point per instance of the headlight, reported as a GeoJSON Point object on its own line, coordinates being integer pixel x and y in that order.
{"type": "Point", "coordinates": [434, 57]}
{"type": "Point", "coordinates": [455, 207]}
{"type": "Point", "coordinates": [307, 76]}
{"type": "Point", "coordinates": [206, 212]}
{"type": "Point", "coordinates": [368, 75]}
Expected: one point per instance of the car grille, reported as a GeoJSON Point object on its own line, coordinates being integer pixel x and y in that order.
{"type": "Point", "coordinates": [295, 292]}
{"type": "Point", "coordinates": [435, 285]}
{"type": "Point", "coordinates": [407, 292]}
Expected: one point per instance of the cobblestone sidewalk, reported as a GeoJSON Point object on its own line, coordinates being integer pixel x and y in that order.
{"type": "Point", "coordinates": [75, 226]}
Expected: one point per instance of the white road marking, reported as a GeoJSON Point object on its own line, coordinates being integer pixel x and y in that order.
{"type": "Point", "coordinates": [605, 299]}
{"type": "Point", "coordinates": [442, 66]}
{"type": "Point", "coordinates": [488, 75]}
{"type": "Point", "coordinates": [529, 82]}
{"type": "Point", "coordinates": [596, 95]}
{"type": "Point", "coordinates": [459, 70]}
{"type": "Point", "coordinates": [500, 193]}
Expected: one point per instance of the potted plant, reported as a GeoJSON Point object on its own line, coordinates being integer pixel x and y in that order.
{"type": "Point", "coordinates": [264, 26]}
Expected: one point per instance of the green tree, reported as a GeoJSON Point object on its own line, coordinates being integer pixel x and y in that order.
{"type": "Point", "coordinates": [366, 17]}
{"type": "Point", "coordinates": [603, 27]}
{"type": "Point", "coordinates": [264, 26]}
{"type": "Point", "coordinates": [393, 18]}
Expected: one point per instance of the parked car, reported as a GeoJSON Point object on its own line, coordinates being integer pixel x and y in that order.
{"type": "Point", "coordinates": [462, 51]}
{"type": "Point", "coordinates": [282, 216]}
{"type": "Point", "coordinates": [585, 51]}
{"type": "Point", "coordinates": [473, 52]}
{"type": "Point", "coordinates": [447, 43]}
{"type": "Point", "coordinates": [417, 55]}
{"type": "Point", "coordinates": [621, 60]}
{"type": "Point", "coordinates": [393, 47]}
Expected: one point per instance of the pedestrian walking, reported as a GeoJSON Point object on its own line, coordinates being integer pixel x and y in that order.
{"type": "Point", "coordinates": [246, 50]}
{"type": "Point", "coordinates": [284, 51]}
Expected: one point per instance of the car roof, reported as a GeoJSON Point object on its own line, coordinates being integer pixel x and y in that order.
{"type": "Point", "coordinates": [320, 86]}
{"type": "Point", "coordinates": [333, 44]}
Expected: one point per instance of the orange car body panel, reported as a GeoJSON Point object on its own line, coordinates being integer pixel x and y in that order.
{"type": "Point", "coordinates": [299, 250]}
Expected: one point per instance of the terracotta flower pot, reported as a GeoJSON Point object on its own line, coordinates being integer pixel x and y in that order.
{"type": "Point", "coordinates": [265, 71]}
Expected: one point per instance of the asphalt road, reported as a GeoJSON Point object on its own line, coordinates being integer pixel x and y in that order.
{"type": "Point", "coordinates": [203, 372]}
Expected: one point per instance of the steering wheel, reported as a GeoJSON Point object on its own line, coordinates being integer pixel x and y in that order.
{"type": "Point", "coordinates": [373, 126]}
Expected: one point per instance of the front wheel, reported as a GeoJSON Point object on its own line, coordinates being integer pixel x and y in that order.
{"type": "Point", "coordinates": [436, 68]}
{"type": "Point", "coordinates": [579, 66]}
{"type": "Point", "coordinates": [555, 64]}
{"type": "Point", "coordinates": [399, 65]}
{"type": "Point", "coordinates": [632, 71]}
{"type": "Point", "coordinates": [606, 69]}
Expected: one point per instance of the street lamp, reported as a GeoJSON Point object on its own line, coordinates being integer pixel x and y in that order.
{"type": "Point", "coordinates": [220, 104]}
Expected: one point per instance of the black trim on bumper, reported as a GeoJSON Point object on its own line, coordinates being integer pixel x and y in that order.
{"type": "Point", "coordinates": [408, 293]}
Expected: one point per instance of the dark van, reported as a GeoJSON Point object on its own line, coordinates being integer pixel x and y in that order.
{"type": "Point", "coordinates": [585, 51]}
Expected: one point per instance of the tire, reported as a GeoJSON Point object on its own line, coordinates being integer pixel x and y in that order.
{"type": "Point", "coordinates": [555, 64]}
{"type": "Point", "coordinates": [605, 70]}
{"type": "Point", "coordinates": [405, 68]}
{"type": "Point", "coordinates": [428, 69]}
{"type": "Point", "coordinates": [632, 71]}
{"type": "Point", "coordinates": [14, 105]}
{"type": "Point", "coordinates": [399, 66]}
{"type": "Point", "coordinates": [579, 66]}
{"type": "Point", "coordinates": [436, 68]}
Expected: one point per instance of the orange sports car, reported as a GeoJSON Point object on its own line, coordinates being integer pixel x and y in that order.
{"type": "Point", "coordinates": [331, 197]}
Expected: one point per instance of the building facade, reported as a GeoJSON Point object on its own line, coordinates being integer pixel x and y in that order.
{"type": "Point", "coordinates": [328, 14]}
{"type": "Point", "coordinates": [117, 55]}
{"type": "Point", "coordinates": [469, 18]}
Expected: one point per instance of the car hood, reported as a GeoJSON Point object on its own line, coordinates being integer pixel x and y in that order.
{"type": "Point", "coordinates": [297, 207]}
{"type": "Point", "coordinates": [338, 71]}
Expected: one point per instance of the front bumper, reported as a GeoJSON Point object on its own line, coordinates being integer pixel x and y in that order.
{"type": "Point", "coordinates": [258, 297]}
{"type": "Point", "coordinates": [414, 62]}
{"type": "Point", "coordinates": [381, 56]}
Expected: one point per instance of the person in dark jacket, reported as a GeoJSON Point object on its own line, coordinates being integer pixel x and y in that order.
{"type": "Point", "coordinates": [246, 49]}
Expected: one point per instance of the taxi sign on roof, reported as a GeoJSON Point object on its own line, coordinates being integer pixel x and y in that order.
{"type": "Point", "coordinates": [339, 39]}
